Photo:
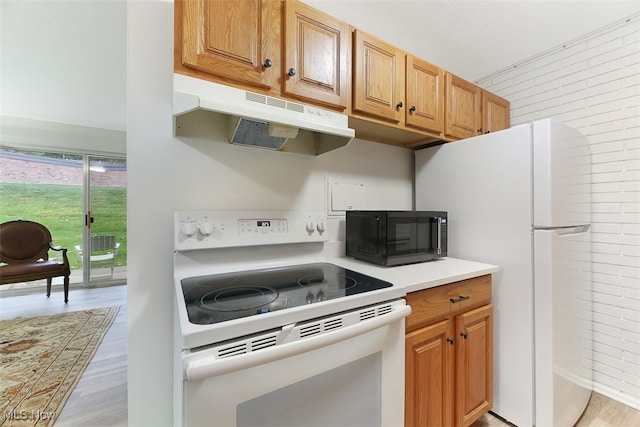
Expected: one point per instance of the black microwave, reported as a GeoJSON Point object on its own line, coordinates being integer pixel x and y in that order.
{"type": "Point", "coordinates": [396, 237]}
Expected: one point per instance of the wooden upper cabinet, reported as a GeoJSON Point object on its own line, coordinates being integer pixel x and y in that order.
{"type": "Point", "coordinates": [495, 113]}
{"type": "Point", "coordinates": [228, 39]}
{"type": "Point", "coordinates": [425, 95]}
{"type": "Point", "coordinates": [316, 55]}
{"type": "Point", "coordinates": [287, 49]}
{"type": "Point", "coordinates": [378, 83]}
{"type": "Point", "coordinates": [463, 104]}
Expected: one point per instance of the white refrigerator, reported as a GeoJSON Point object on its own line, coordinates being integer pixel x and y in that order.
{"type": "Point", "coordinates": [521, 199]}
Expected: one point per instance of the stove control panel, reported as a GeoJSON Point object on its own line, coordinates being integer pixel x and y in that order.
{"type": "Point", "coordinates": [264, 226]}
{"type": "Point", "coordinates": [195, 230]}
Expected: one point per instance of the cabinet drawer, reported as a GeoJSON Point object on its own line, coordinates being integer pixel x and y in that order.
{"type": "Point", "coordinates": [442, 301]}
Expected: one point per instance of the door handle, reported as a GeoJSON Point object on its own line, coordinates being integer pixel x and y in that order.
{"type": "Point", "coordinates": [205, 367]}
{"type": "Point", "coordinates": [88, 220]}
{"type": "Point", "coordinates": [564, 230]}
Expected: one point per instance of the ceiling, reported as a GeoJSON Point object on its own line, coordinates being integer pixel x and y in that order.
{"type": "Point", "coordinates": [476, 38]}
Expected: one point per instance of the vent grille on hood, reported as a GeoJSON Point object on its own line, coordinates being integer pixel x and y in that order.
{"type": "Point", "coordinates": [255, 97]}
{"type": "Point", "coordinates": [207, 110]}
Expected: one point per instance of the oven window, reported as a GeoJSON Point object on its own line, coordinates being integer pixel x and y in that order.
{"type": "Point", "coordinates": [407, 236]}
{"type": "Point", "coordinates": [350, 395]}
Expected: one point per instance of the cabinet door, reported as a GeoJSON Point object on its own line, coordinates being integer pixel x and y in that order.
{"type": "Point", "coordinates": [429, 376]}
{"type": "Point", "coordinates": [378, 78]}
{"type": "Point", "coordinates": [463, 103]}
{"type": "Point", "coordinates": [316, 53]}
{"type": "Point", "coordinates": [474, 364]}
{"type": "Point", "coordinates": [425, 95]}
{"type": "Point", "coordinates": [495, 112]}
{"type": "Point", "coordinates": [225, 38]}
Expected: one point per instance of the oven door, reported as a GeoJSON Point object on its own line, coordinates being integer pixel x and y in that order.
{"type": "Point", "coordinates": [343, 370]}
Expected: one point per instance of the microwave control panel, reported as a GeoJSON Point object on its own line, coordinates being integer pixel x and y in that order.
{"type": "Point", "coordinates": [223, 229]}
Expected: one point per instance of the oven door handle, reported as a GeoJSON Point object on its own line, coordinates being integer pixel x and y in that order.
{"type": "Point", "coordinates": [196, 370]}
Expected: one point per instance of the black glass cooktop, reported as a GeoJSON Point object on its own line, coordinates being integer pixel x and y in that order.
{"type": "Point", "coordinates": [221, 297]}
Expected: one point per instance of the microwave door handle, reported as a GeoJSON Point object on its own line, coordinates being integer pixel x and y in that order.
{"type": "Point", "coordinates": [439, 248]}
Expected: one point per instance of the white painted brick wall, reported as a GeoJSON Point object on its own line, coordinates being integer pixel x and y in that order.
{"type": "Point", "coordinates": [593, 84]}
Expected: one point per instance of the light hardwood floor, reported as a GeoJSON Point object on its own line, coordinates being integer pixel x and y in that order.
{"type": "Point", "coordinates": [600, 412]}
{"type": "Point", "coordinates": [100, 398]}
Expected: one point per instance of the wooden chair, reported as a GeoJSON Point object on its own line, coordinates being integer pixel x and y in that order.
{"type": "Point", "coordinates": [24, 248]}
{"type": "Point", "coordinates": [104, 250]}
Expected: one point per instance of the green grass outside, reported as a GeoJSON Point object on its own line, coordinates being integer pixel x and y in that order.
{"type": "Point", "coordinates": [59, 208]}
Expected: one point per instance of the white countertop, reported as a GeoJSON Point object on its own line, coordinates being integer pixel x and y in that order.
{"type": "Point", "coordinates": [415, 277]}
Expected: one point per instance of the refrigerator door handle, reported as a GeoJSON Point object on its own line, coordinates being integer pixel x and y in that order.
{"type": "Point", "coordinates": [565, 230]}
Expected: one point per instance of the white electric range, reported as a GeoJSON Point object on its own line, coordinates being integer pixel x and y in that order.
{"type": "Point", "coordinates": [261, 319]}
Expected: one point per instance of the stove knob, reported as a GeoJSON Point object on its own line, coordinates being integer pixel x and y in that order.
{"type": "Point", "coordinates": [321, 296]}
{"type": "Point", "coordinates": [311, 227]}
{"type": "Point", "coordinates": [310, 298]}
{"type": "Point", "coordinates": [188, 229]}
{"type": "Point", "coordinates": [321, 227]}
{"type": "Point", "coordinates": [206, 229]}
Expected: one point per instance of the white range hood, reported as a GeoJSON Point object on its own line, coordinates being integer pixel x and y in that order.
{"type": "Point", "coordinates": [203, 109]}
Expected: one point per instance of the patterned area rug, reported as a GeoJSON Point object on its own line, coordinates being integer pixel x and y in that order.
{"type": "Point", "coordinates": [42, 359]}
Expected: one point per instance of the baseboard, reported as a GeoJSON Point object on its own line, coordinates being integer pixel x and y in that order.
{"type": "Point", "coordinates": [617, 395]}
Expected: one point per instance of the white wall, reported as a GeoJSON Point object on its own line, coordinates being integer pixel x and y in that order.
{"type": "Point", "coordinates": [64, 62]}
{"type": "Point", "coordinates": [166, 174]}
{"type": "Point", "coordinates": [593, 84]}
{"type": "Point", "coordinates": [63, 75]}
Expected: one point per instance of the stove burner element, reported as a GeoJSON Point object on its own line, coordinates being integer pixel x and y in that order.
{"type": "Point", "coordinates": [225, 297]}
{"type": "Point", "coordinates": [238, 298]}
{"type": "Point", "coordinates": [342, 281]}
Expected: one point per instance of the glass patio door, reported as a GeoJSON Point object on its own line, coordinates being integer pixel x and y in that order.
{"type": "Point", "coordinates": [80, 198]}
{"type": "Point", "coordinates": [105, 220]}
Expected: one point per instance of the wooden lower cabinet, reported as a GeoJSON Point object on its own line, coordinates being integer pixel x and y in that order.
{"type": "Point", "coordinates": [474, 364]}
{"type": "Point", "coordinates": [428, 355]}
{"type": "Point", "coordinates": [449, 354]}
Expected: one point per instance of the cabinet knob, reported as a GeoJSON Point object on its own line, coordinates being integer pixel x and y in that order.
{"type": "Point", "coordinates": [399, 104]}
{"type": "Point", "coordinates": [488, 131]}
{"type": "Point", "coordinates": [464, 335]}
{"type": "Point", "coordinates": [267, 63]}
{"type": "Point", "coordinates": [480, 130]}
{"type": "Point", "coordinates": [412, 109]}
{"type": "Point", "coordinates": [451, 341]}
{"type": "Point", "coordinates": [292, 72]}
